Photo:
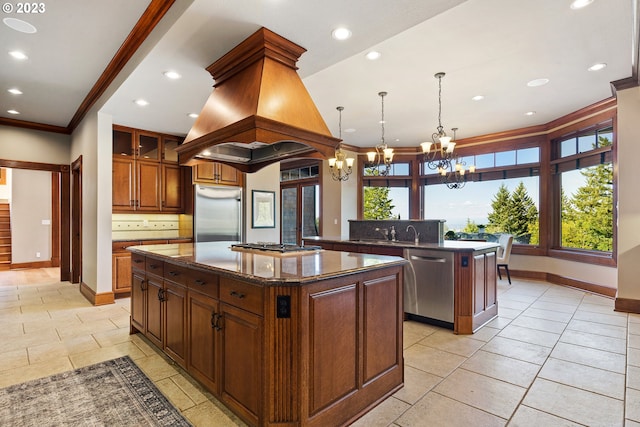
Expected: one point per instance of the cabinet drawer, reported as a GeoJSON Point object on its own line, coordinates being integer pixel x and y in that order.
{"type": "Point", "coordinates": [241, 294]}
{"type": "Point", "coordinates": [153, 266]}
{"type": "Point", "coordinates": [176, 274]}
{"type": "Point", "coordinates": [203, 282]}
{"type": "Point", "coordinates": [122, 246]}
{"type": "Point", "coordinates": [154, 242]}
{"type": "Point", "coordinates": [137, 261]}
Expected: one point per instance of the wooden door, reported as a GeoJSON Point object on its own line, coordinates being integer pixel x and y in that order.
{"type": "Point", "coordinates": [123, 180]}
{"type": "Point", "coordinates": [138, 301]}
{"type": "Point", "coordinates": [175, 322]}
{"type": "Point", "coordinates": [154, 325]}
{"type": "Point", "coordinates": [76, 222]}
{"type": "Point", "coordinates": [203, 354]}
{"type": "Point", "coordinates": [241, 350]}
{"type": "Point", "coordinates": [149, 179]}
{"type": "Point", "coordinates": [172, 183]}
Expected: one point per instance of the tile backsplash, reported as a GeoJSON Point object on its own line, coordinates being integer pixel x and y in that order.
{"type": "Point", "coordinates": [147, 226]}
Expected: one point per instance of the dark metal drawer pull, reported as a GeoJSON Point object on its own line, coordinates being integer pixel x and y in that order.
{"type": "Point", "coordinates": [137, 261]}
{"type": "Point", "coordinates": [237, 294]}
{"type": "Point", "coordinates": [153, 266]}
{"type": "Point", "coordinates": [199, 282]}
{"type": "Point", "coordinates": [174, 273]}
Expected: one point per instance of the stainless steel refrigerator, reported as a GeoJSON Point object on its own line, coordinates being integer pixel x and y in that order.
{"type": "Point", "coordinates": [218, 214]}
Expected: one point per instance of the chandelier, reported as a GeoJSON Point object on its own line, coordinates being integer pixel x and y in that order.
{"type": "Point", "coordinates": [439, 153]}
{"type": "Point", "coordinates": [379, 161]}
{"type": "Point", "coordinates": [337, 164]}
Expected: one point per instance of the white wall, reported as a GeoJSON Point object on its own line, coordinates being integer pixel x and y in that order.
{"type": "Point", "coordinates": [30, 216]}
{"type": "Point", "coordinates": [589, 273]}
{"type": "Point", "coordinates": [93, 140]}
{"type": "Point", "coordinates": [267, 179]}
{"type": "Point", "coordinates": [628, 196]}
{"type": "Point", "coordinates": [339, 201]}
{"type": "Point", "coordinates": [34, 146]}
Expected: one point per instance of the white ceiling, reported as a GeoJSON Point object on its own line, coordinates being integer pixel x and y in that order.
{"type": "Point", "coordinates": [487, 47]}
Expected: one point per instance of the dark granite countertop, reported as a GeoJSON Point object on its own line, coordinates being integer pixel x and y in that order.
{"type": "Point", "coordinates": [447, 245]}
{"type": "Point", "coordinates": [267, 268]}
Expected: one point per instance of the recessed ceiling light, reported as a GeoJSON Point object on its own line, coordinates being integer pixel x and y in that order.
{"type": "Point", "coordinates": [530, 113]}
{"type": "Point", "coordinates": [478, 98]}
{"type": "Point", "coordinates": [373, 55]}
{"type": "Point", "coordinates": [206, 153]}
{"type": "Point", "coordinates": [141, 102]}
{"type": "Point", "coordinates": [173, 75]}
{"type": "Point", "coordinates": [538, 82]}
{"type": "Point", "coordinates": [579, 4]}
{"type": "Point", "coordinates": [341, 33]}
{"type": "Point", "coordinates": [349, 130]}
{"type": "Point", "coordinates": [19, 25]}
{"type": "Point", "coordinates": [13, 111]}
{"type": "Point", "coordinates": [597, 67]}
{"type": "Point", "coordinates": [18, 55]}
{"type": "Point", "coordinates": [15, 91]}
{"type": "Point", "coordinates": [193, 115]}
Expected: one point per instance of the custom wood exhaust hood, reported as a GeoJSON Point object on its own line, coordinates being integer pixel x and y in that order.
{"type": "Point", "coordinates": [259, 112]}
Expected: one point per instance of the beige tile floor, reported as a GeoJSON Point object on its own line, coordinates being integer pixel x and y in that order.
{"type": "Point", "coordinates": [554, 357]}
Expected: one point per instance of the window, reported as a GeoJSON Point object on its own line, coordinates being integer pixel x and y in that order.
{"type": "Point", "coordinates": [397, 169]}
{"type": "Point", "coordinates": [585, 198]}
{"type": "Point", "coordinates": [503, 198]}
{"type": "Point", "coordinates": [299, 173]}
{"type": "Point", "coordinates": [387, 197]}
{"type": "Point", "coordinates": [486, 209]}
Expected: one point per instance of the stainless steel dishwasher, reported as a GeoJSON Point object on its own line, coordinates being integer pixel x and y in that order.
{"type": "Point", "coordinates": [428, 286]}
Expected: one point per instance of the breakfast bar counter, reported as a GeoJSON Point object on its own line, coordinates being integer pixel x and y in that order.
{"type": "Point", "coordinates": [450, 283]}
{"type": "Point", "coordinates": [311, 337]}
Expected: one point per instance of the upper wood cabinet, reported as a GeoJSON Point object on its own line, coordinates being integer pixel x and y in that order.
{"type": "Point", "coordinates": [217, 173]}
{"type": "Point", "coordinates": [169, 145]}
{"type": "Point", "coordinates": [146, 174]}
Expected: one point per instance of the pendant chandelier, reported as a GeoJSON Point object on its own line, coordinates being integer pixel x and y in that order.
{"type": "Point", "coordinates": [338, 163]}
{"type": "Point", "coordinates": [379, 161]}
{"type": "Point", "coordinates": [439, 153]}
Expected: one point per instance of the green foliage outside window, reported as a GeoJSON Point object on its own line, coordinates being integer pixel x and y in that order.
{"type": "Point", "coordinates": [377, 204]}
{"type": "Point", "coordinates": [514, 213]}
{"type": "Point", "coordinates": [587, 217]}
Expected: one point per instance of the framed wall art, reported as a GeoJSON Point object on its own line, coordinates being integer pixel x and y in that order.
{"type": "Point", "coordinates": [263, 204]}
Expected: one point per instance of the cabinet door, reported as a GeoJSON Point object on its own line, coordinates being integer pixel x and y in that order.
{"type": "Point", "coordinates": [171, 188]}
{"type": "Point", "coordinates": [123, 197]}
{"type": "Point", "coordinates": [121, 272]}
{"type": "Point", "coordinates": [149, 147]}
{"type": "Point", "coordinates": [175, 322]}
{"type": "Point", "coordinates": [203, 173]}
{"type": "Point", "coordinates": [123, 142]}
{"type": "Point", "coordinates": [169, 145]}
{"type": "Point", "coordinates": [241, 352]}
{"type": "Point", "coordinates": [155, 291]}
{"type": "Point", "coordinates": [138, 301]}
{"type": "Point", "coordinates": [149, 180]}
{"type": "Point", "coordinates": [203, 351]}
{"type": "Point", "coordinates": [228, 175]}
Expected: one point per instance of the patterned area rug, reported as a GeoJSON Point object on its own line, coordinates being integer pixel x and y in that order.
{"type": "Point", "coordinates": [112, 393]}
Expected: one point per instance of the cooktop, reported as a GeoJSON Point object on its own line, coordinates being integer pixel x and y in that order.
{"type": "Point", "coordinates": [275, 247]}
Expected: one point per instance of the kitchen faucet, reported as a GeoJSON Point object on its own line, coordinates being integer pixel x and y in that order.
{"type": "Point", "coordinates": [415, 233]}
{"type": "Point", "coordinates": [384, 232]}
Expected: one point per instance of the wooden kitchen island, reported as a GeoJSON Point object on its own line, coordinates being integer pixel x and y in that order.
{"type": "Point", "coordinates": [474, 280]}
{"type": "Point", "coordinates": [309, 338]}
